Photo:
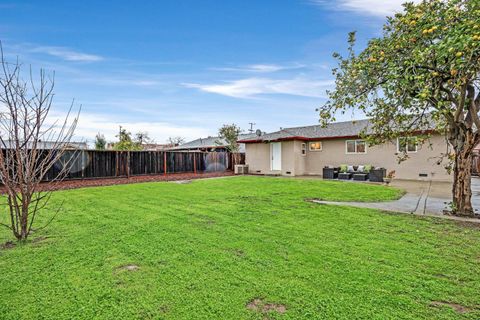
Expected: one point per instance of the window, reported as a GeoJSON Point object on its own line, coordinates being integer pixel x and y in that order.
{"type": "Point", "coordinates": [356, 146]}
{"type": "Point", "coordinates": [304, 149]}
{"type": "Point", "coordinates": [315, 146]}
{"type": "Point", "coordinates": [407, 144]}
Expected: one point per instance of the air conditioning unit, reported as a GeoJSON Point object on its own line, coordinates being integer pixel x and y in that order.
{"type": "Point", "coordinates": [241, 169]}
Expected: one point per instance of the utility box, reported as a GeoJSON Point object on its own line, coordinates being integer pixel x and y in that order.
{"type": "Point", "coordinates": [241, 169]}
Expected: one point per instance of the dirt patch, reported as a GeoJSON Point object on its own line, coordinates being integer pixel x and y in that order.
{"type": "Point", "coordinates": [259, 305]}
{"type": "Point", "coordinates": [467, 224]}
{"type": "Point", "coordinates": [182, 181]}
{"type": "Point", "coordinates": [455, 306]}
{"type": "Point", "coordinates": [8, 245]}
{"type": "Point", "coordinates": [315, 201]}
{"type": "Point", "coordinates": [129, 267]}
{"type": "Point", "coordinates": [164, 309]}
{"type": "Point", "coordinates": [237, 252]}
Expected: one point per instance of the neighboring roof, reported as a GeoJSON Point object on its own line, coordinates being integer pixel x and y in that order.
{"type": "Point", "coordinates": [345, 129]}
{"type": "Point", "coordinates": [47, 145]}
{"type": "Point", "coordinates": [156, 146]}
{"type": "Point", "coordinates": [211, 142]}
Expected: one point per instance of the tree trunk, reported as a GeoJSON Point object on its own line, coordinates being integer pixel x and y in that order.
{"type": "Point", "coordinates": [462, 191]}
{"type": "Point", "coordinates": [463, 140]}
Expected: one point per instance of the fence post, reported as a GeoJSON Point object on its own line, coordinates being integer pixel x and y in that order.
{"type": "Point", "coordinates": [83, 164]}
{"type": "Point", "coordinates": [165, 163]}
{"type": "Point", "coordinates": [128, 164]}
{"type": "Point", "coordinates": [194, 163]}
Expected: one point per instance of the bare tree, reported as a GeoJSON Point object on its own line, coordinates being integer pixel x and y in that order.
{"type": "Point", "coordinates": [175, 141]}
{"type": "Point", "coordinates": [143, 137]}
{"type": "Point", "coordinates": [31, 144]}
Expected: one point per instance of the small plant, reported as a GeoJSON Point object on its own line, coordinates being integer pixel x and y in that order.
{"type": "Point", "coordinates": [389, 177]}
{"type": "Point", "coordinates": [391, 174]}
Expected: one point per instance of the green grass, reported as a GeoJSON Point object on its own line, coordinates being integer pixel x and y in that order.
{"type": "Point", "coordinates": [206, 249]}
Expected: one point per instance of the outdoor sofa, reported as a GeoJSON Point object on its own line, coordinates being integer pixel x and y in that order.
{"type": "Point", "coordinates": [358, 173]}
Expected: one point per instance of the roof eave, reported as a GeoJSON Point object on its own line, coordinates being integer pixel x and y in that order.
{"type": "Point", "coordinates": [322, 138]}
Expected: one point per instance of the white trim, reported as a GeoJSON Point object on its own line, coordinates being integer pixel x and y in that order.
{"type": "Point", "coordinates": [406, 145]}
{"type": "Point", "coordinates": [356, 140]}
{"type": "Point", "coordinates": [315, 150]}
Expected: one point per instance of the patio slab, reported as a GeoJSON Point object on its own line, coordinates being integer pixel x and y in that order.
{"type": "Point", "coordinates": [425, 198]}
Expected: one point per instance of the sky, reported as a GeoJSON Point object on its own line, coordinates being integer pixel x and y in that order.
{"type": "Point", "coordinates": [185, 68]}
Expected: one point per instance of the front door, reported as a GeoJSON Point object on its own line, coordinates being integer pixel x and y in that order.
{"type": "Point", "coordinates": [276, 156]}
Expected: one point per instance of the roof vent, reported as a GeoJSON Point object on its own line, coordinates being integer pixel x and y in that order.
{"type": "Point", "coordinates": [258, 132]}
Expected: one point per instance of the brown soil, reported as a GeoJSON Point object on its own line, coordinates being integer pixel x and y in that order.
{"type": "Point", "coordinates": [183, 177]}
{"type": "Point", "coordinates": [129, 267]}
{"type": "Point", "coordinates": [7, 245]}
{"type": "Point", "coordinates": [259, 305]}
{"type": "Point", "coordinates": [457, 307]}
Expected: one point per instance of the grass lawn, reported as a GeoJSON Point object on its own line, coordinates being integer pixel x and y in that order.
{"type": "Point", "coordinates": [205, 250]}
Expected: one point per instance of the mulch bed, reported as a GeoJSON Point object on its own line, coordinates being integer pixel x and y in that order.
{"type": "Point", "coordinates": [74, 184]}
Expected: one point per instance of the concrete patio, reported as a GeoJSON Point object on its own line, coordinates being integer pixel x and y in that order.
{"type": "Point", "coordinates": [422, 198]}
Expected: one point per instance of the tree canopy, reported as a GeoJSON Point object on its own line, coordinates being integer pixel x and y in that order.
{"type": "Point", "coordinates": [229, 133]}
{"type": "Point", "coordinates": [100, 142]}
{"type": "Point", "coordinates": [426, 64]}
{"type": "Point", "coordinates": [125, 141]}
{"type": "Point", "coordinates": [424, 72]}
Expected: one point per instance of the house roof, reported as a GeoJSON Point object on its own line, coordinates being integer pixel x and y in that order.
{"type": "Point", "coordinates": [345, 129]}
{"type": "Point", "coordinates": [47, 145]}
{"type": "Point", "coordinates": [211, 142]}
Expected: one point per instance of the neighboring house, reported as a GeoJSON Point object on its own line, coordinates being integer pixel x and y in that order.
{"type": "Point", "coordinates": [157, 146]}
{"type": "Point", "coordinates": [145, 146]}
{"type": "Point", "coordinates": [307, 150]}
{"type": "Point", "coordinates": [210, 144]}
{"type": "Point", "coordinates": [47, 145]}
{"type": "Point", "coordinates": [476, 160]}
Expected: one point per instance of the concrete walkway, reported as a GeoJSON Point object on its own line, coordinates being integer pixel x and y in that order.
{"type": "Point", "coordinates": [424, 198]}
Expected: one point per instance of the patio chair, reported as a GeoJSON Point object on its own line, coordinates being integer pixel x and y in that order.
{"type": "Point", "coordinates": [330, 173]}
{"type": "Point", "coordinates": [377, 174]}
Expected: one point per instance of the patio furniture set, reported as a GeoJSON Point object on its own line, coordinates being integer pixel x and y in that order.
{"type": "Point", "coordinates": [357, 173]}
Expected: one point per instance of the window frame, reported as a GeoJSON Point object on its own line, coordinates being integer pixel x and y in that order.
{"type": "Point", "coordinates": [406, 144]}
{"type": "Point", "coordinates": [356, 149]}
{"type": "Point", "coordinates": [315, 150]}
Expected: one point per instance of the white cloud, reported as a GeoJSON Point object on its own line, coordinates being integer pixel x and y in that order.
{"type": "Point", "coordinates": [67, 54]}
{"type": "Point", "coordinates": [261, 68]}
{"type": "Point", "coordinates": [118, 80]}
{"type": "Point", "coordinates": [379, 8]}
{"type": "Point", "coordinates": [90, 124]}
{"type": "Point", "coordinates": [251, 87]}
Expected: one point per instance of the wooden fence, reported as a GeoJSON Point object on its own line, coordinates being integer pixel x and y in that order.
{"type": "Point", "coordinates": [91, 164]}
